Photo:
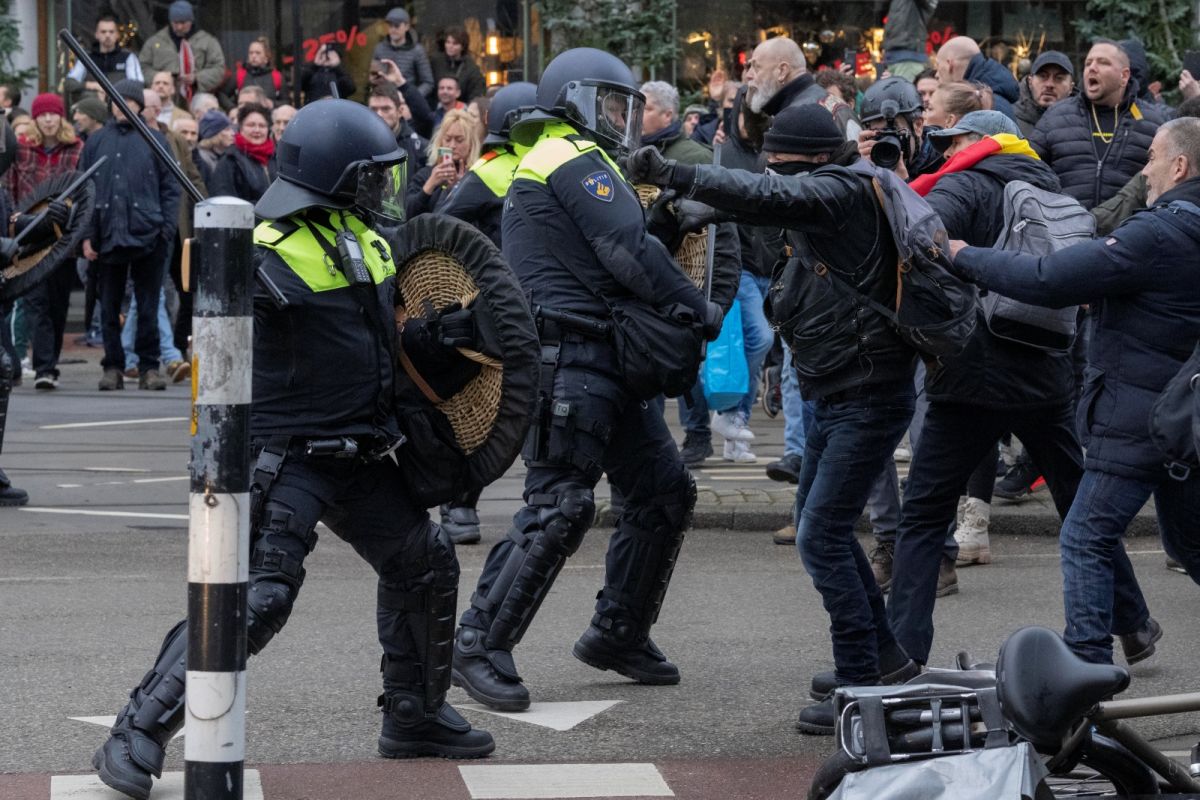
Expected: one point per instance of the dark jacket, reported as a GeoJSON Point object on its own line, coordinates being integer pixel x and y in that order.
{"type": "Point", "coordinates": [1116, 209]}
{"type": "Point", "coordinates": [410, 58]}
{"type": "Point", "coordinates": [464, 70]}
{"type": "Point", "coordinates": [673, 144]}
{"type": "Point", "coordinates": [761, 247]}
{"type": "Point", "coordinates": [1063, 138]}
{"type": "Point", "coordinates": [839, 342]}
{"type": "Point", "coordinates": [1027, 110]}
{"type": "Point", "coordinates": [416, 202]}
{"type": "Point", "coordinates": [422, 115]}
{"type": "Point", "coordinates": [238, 175]}
{"type": "Point", "coordinates": [907, 25]}
{"type": "Point", "coordinates": [267, 78]}
{"type": "Point", "coordinates": [992, 372]}
{"type": "Point", "coordinates": [137, 199]}
{"type": "Point", "coordinates": [990, 72]}
{"type": "Point", "coordinates": [1144, 283]}
{"type": "Point", "coordinates": [412, 143]}
{"type": "Point", "coordinates": [582, 207]}
{"type": "Point", "coordinates": [478, 199]}
{"type": "Point", "coordinates": [798, 92]}
{"type": "Point", "coordinates": [314, 82]}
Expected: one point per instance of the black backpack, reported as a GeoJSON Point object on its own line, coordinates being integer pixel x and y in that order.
{"type": "Point", "coordinates": [1175, 420]}
{"type": "Point", "coordinates": [936, 311]}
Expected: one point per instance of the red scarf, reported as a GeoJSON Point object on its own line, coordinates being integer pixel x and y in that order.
{"type": "Point", "coordinates": [259, 152]}
{"type": "Point", "coordinates": [1001, 143]}
{"type": "Point", "coordinates": [187, 66]}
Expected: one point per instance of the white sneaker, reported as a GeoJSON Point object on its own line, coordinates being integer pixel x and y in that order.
{"type": "Point", "coordinates": [731, 425]}
{"type": "Point", "coordinates": [738, 452]}
{"type": "Point", "coordinates": [902, 454]}
{"type": "Point", "coordinates": [972, 533]}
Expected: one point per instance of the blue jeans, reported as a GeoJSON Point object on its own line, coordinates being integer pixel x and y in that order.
{"type": "Point", "coordinates": [850, 442]}
{"type": "Point", "coordinates": [1092, 554]}
{"type": "Point", "coordinates": [166, 338]}
{"type": "Point", "coordinates": [797, 412]}
{"type": "Point", "coordinates": [757, 335]}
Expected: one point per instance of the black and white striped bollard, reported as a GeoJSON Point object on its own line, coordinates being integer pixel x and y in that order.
{"type": "Point", "coordinates": [219, 526]}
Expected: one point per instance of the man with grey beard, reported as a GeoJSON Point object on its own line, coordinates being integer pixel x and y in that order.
{"type": "Point", "coordinates": [779, 78]}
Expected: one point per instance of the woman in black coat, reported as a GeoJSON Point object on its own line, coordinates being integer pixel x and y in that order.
{"type": "Point", "coordinates": [247, 169]}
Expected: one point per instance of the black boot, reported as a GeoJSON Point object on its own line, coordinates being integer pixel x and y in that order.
{"type": "Point", "coordinates": [489, 676]}
{"type": "Point", "coordinates": [639, 660]}
{"type": "Point", "coordinates": [819, 719]}
{"type": "Point", "coordinates": [409, 732]}
{"type": "Point", "coordinates": [9, 494]}
{"type": "Point", "coordinates": [895, 667]}
{"type": "Point", "coordinates": [462, 523]}
{"type": "Point", "coordinates": [134, 751]}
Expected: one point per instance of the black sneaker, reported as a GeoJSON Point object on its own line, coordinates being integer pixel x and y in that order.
{"type": "Point", "coordinates": [46, 381]}
{"type": "Point", "coordinates": [786, 469]}
{"type": "Point", "coordinates": [696, 447]}
{"type": "Point", "coordinates": [1019, 482]}
{"type": "Point", "coordinates": [1175, 566]}
{"type": "Point", "coordinates": [818, 719]}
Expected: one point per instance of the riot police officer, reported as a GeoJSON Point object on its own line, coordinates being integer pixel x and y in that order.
{"type": "Point", "coordinates": [325, 440]}
{"type": "Point", "coordinates": [569, 194]}
{"type": "Point", "coordinates": [479, 199]}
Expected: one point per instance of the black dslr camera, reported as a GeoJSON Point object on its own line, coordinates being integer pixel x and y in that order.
{"type": "Point", "coordinates": [891, 143]}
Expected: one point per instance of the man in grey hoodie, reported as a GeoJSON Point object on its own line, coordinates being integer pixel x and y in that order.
{"type": "Point", "coordinates": [401, 47]}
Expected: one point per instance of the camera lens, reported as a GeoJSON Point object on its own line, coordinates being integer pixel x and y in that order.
{"type": "Point", "coordinates": [886, 152]}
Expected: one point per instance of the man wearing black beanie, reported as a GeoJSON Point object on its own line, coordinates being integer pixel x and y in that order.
{"type": "Point", "coordinates": [848, 358]}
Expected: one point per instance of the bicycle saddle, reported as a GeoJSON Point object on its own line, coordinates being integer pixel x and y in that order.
{"type": "Point", "coordinates": [1044, 688]}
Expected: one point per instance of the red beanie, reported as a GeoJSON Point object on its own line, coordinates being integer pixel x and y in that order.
{"type": "Point", "coordinates": [48, 103]}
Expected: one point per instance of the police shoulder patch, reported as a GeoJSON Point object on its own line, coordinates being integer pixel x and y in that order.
{"type": "Point", "coordinates": [599, 185]}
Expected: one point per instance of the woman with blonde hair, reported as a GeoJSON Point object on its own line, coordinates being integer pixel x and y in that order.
{"type": "Point", "coordinates": [453, 149]}
{"type": "Point", "coordinates": [48, 148]}
{"type": "Point", "coordinates": [952, 101]}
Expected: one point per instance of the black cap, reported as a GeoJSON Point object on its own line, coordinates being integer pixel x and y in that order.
{"type": "Point", "coordinates": [1055, 58]}
{"type": "Point", "coordinates": [806, 129]}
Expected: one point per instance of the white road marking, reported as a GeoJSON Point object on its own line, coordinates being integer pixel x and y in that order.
{"type": "Point", "coordinates": [110, 423]}
{"type": "Point", "coordinates": [172, 479]}
{"type": "Point", "coordinates": [76, 579]}
{"type": "Point", "coordinates": [114, 469]}
{"type": "Point", "coordinates": [85, 513]}
{"type": "Point", "coordinates": [107, 722]}
{"type": "Point", "coordinates": [556, 716]}
{"type": "Point", "coordinates": [168, 787]}
{"type": "Point", "coordinates": [162, 480]}
{"type": "Point", "coordinates": [529, 781]}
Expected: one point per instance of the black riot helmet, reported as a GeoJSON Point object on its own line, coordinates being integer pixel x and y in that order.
{"type": "Point", "coordinates": [594, 91]}
{"type": "Point", "coordinates": [506, 108]}
{"type": "Point", "coordinates": [901, 96]}
{"type": "Point", "coordinates": [337, 154]}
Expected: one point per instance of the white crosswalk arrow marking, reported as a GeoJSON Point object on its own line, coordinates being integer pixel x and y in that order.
{"type": "Point", "coordinates": [556, 716]}
{"type": "Point", "coordinates": [169, 787]}
{"type": "Point", "coordinates": [531, 781]}
{"type": "Point", "coordinates": [107, 722]}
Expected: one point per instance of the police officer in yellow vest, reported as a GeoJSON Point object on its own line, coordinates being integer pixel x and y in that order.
{"type": "Point", "coordinates": [575, 235]}
{"type": "Point", "coordinates": [479, 200]}
{"type": "Point", "coordinates": [323, 427]}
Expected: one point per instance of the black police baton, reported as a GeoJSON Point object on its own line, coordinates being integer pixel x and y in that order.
{"type": "Point", "coordinates": [160, 151]}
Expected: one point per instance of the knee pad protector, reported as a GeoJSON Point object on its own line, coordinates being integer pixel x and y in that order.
{"type": "Point", "coordinates": [565, 523]}
{"type": "Point", "coordinates": [268, 606]}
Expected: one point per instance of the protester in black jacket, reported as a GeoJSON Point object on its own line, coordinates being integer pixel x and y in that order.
{"type": "Point", "coordinates": [961, 60]}
{"type": "Point", "coordinates": [247, 169]}
{"type": "Point", "coordinates": [326, 69]}
{"type": "Point", "coordinates": [993, 387]}
{"type": "Point", "coordinates": [779, 76]}
{"type": "Point", "coordinates": [1144, 282]}
{"type": "Point", "coordinates": [849, 358]}
{"type": "Point", "coordinates": [453, 59]}
{"type": "Point", "coordinates": [1097, 140]}
{"type": "Point", "coordinates": [137, 205]}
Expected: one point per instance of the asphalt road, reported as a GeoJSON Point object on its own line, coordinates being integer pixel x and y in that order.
{"type": "Point", "coordinates": [92, 574]}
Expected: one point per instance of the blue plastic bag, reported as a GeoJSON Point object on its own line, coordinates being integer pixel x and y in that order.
{"type": "Point", "coordinates": [726, 374]}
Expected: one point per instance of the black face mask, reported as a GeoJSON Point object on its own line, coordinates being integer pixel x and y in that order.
{"type": "Point", "coordinates": [792, 167]}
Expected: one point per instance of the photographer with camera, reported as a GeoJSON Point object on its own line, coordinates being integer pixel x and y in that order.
{"type": "Point", "coordinates": [893, 130]}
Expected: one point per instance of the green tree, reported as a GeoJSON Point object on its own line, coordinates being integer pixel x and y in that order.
{"type": "Point", "coordinates": [10, 45]}
{"type": "Point", "coordinates": [1163, 26]}
{"type": "Point", "coordinates": [640, 32]}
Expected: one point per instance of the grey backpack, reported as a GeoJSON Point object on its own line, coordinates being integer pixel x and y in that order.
{"type": "Point", "coordinates": [1039, 223]}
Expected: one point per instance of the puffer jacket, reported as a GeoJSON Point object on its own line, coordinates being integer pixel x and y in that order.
{"type": "Point", "coordinates": [993, 372]}
{"type": "Point", "coordinates": [1063, 138]}
{"type": "Point", "coordinates": [1144, 283]}
{"type": "Point", "coordinates": [137, 199]}
{"type": "Point", "coordinates": [838, 343]}
{"type": "Point", "coordinates": [411, 59]}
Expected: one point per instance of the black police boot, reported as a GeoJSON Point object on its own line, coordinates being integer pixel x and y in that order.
{"type": "Point", "coordinates": [489, 676]}
{"type": "Point", "coordinates": [134, 752]}
{"type": "Point", "coordinates": [11, 495]}
{"type": "Point", "coordinates": [462, 523]}
{"type": "Point", "coordinates": [819, 719]}
{"type": "Point", "coordinates": [623, 653]}
{"type": "Point", "coordinates": [409, 733]}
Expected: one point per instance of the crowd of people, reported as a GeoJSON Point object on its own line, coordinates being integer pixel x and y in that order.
{"type": "Point", "coordinates": [803, 239]}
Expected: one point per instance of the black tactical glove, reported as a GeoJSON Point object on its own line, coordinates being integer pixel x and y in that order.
{"type": "Point", "coordinates": [662, 223]}
{"type": "Point", "coordinates": [59, 213]}
{"type": "Point", "coordinates": [455, 327]}
{"type": "Point", "coordinates": [694, 215]}
{"type": "Point", "coordinates": [647, 165]}
{"type": "Point", "coordinates": [712, 321]}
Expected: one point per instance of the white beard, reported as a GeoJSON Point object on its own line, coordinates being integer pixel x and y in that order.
{"type": "Point", "coordinates": [763, 94]}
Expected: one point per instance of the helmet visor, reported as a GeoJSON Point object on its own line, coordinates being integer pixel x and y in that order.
{"type": "Point", "coordinates": [379, 189]}
{"type": "Point", "coordinates": [614, 113]}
